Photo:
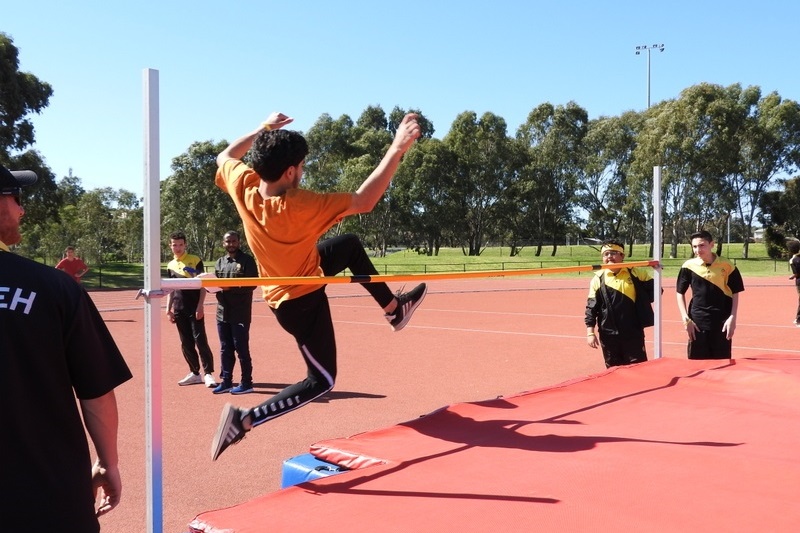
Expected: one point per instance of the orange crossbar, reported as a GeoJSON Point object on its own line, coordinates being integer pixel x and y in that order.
{"type": "Point", "coordinates": [194, 283]}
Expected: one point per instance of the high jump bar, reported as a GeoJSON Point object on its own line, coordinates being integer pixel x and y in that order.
{"type": "Point", "coordinates": [208, 282]}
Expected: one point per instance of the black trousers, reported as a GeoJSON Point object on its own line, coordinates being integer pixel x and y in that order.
{"type": "Point", "coordinates": [308, 320]}
{"type": "Point", "coordinates": [619, 350]}
{"type": "Point", "coordinates": [797, 315]}
{"type": "Point", "coordinates": [192, 333]}
{"type": "Point", "coordinates": [709, 344]}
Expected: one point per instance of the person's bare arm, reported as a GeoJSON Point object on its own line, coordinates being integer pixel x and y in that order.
{"type": "Point", "coordinates": [170, 312]}
{"type": "Point", "coordinates": [690, 326]}
{"type": "Point", "coordinates": [371, 191]}
{"type": "Point", "coordinates": [199, 313]}
{"type": "Point", "coordinates": [238, 148]}
{"type": "Point", "coordinates": [730, 324]}
{"type": "Point", "coordinates": [101, 419]}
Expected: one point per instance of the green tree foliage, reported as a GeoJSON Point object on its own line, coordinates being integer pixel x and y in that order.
{"type": "Point", "coordinates": [779, 212]}
{"type": "Point", "coordinates": [192, 203]}
{"type": "Point", "coordinates": [769, 146]}
{"type": "Point", "coordinates": [554, 137]}
{"type": "Point", "coordinates": [21, 94]}
{"type": "Point", "coordinates": [603, 190]}
{"type": "Point", "coordinates": [482, 153]}
{"type": "Point", "coordinates": [428, 204]}
{"type": "Point", "coordinates": [693, 139]}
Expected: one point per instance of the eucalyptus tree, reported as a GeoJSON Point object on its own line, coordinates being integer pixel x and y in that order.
{"type": "Point", "coordinates": [330, 145]}
{"type": "Point", "coordinates": [603, 191]}
{"type": "Point", "coordinates": [95, 225]}
{"type": "Point", "coordinates": [553, 136]}
{"type": "Point", "coordinates": [66, 226]}
{"type": "Point", "coordinates": [481, 174]}
{"type": "Point", "coordinates": [21, 94]}
{"type": "Point", "coordinates": [192, 203]}
{"type": "Point", "coordinates": [128, 230]}
{"type": "Point", "coordinates": [769, 147]}
{"type": "Point", "coordinates": [516, 215]}
{"type": "Point", "coordinates": [693, 139]}
{"type": "Point", "coordinates": [41, 202]}
{"type": "Point", "coordinates": [779, 209]}
{"type": "Point", "coordinates": [429, 206]}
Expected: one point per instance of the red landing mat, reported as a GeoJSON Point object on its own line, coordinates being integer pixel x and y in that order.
{"type": "Point", "coordinates": [668, 445]}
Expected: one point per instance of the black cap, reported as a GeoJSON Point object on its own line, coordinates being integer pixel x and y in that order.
{"type": "Point", "coordinates": [12, 181]}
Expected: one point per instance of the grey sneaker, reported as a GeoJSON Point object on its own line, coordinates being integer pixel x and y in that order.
{"type": "Point", "coordinates": [191, 379]}
{"type": "Point", "coordinates": [407, 303]}
{"type": "Point", "coordinates": [230, 430]}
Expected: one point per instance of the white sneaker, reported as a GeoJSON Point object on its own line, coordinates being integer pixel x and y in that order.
{"type": "Point", "coordinates": [191, 379]}
{"type": "Point", "coordinates": [209, 381]}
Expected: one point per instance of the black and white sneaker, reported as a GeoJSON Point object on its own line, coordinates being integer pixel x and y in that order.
{"type": "Point", "coordinates": [407, 303]}
{"type": "Point", "coordinates": [230, 430]}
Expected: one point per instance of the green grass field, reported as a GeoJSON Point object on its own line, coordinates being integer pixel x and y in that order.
{"type": "Point", "coordinates": [452, 259]}
{"type": "Point", "coordinates": [130, 275]}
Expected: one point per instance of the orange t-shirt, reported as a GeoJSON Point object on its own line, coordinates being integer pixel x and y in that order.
{"type": "Point", "coordinates": [282, 231]}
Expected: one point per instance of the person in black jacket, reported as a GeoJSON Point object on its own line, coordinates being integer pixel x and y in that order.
{"type": "Point", "coordinates": [234, 312]}
{"type": "Point", "coordinates": [619, 305]}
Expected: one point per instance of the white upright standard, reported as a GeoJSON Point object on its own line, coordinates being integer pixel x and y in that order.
{"type": "Point", "coordinates": [657, 257]}
{"type": "Point", "coordinates": [152, 307]}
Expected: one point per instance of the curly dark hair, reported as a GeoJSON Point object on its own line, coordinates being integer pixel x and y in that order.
{"type": "Point", "coordinates": [275, 151]}
{"type": "Point", "coordinates": [793, 246]}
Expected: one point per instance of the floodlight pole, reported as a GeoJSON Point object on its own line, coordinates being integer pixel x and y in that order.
{"type": "Point", "coordinates": [639, 50]}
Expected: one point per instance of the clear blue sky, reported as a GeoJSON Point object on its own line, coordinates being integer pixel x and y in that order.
{"type": "Point", "coordinates": [224, 66]}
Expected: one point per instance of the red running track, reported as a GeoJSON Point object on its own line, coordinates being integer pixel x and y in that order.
{"type": "Point", "coordinates": [470, 341]}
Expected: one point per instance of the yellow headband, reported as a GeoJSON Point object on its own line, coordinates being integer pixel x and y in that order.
{"type": "Point", "coordinates": [614, 247]}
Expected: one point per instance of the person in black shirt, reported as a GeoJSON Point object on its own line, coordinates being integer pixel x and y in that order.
{"type": "Point", "coordinates": [234, 311]}
{"type": "Point", "coordinates": [710, 319]}
{"type": "Point", "coordinates": [54, 348]}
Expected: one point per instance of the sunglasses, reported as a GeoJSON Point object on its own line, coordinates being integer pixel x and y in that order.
{"type": "Point", "coordinates": [12, 192]}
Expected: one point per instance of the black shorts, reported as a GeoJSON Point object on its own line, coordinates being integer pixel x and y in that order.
{"type": "Point", "coordinates": [625, 349]}
{"type": "Point", "coordinates": [710, 344]}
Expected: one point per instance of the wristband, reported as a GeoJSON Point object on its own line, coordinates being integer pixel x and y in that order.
{"type": "Point", "coordinates": [686, 321]}
{"type": "Point", "coordinates": [590, 334]}
{"type": "Point", "coordinates": [267, 126]}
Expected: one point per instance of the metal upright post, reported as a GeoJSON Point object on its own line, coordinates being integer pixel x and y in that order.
{"type": "Point", "coordinates": [152, 290]}
{"type": "Point", "coordinates": [657, 257]}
